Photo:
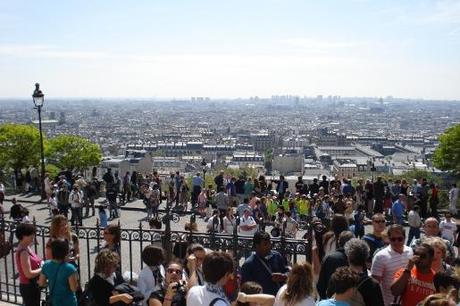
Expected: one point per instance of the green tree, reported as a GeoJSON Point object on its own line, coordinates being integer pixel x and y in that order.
{"type": "Point", "coordinates": [19, 146]}
{"type": "Point", "coordinates": [73, 152]}
{"type": "Point", "coordinates": [447, 154]}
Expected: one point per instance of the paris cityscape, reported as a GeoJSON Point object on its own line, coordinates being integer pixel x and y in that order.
{"type": "Point", "coordinates": [217, 153]}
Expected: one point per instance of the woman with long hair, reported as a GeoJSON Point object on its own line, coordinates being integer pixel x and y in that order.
{"type": "Point", "coordinates": [298, 289]}
{"type": "Point", "coordinates": [60, 230]}
{"type": "Point", "coordinates": [229, 222]}
{"type": "Point", "coordinates": [28, 264]}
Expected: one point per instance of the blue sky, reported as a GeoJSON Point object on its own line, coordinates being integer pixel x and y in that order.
{"type": "Point", "coordinates": [229, 48]}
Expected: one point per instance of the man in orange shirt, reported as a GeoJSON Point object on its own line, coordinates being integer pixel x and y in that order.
{"type": "Point", "coordinates": [415, 282]}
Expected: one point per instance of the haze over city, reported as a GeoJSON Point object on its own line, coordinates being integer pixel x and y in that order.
{"type": "Point", "coordinates": [178, 49]}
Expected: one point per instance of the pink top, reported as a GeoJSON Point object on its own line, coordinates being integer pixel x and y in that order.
{"type": "Point", "coordinates": [35, 262]}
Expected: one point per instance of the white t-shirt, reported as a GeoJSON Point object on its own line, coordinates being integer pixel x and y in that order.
{"type": "Point", "coordinates": [385, 264]}
{"type": "Point", "coordinates": [448, 229]}
{"type": "Point", "coordinates": [308, 301]}
{"type": "Point", "coordinates": [228, 226]}
{"type": "Point", "coordinates": [247, 221]}
{"type": "Point", "coordinates": [198, 295]}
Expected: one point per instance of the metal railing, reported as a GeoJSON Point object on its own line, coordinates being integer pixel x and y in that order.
{"type": "Point", "coordinates": [133, 240]}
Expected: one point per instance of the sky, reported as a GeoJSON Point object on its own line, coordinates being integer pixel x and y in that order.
{"type": "Point", "coordinates": [230, 49]}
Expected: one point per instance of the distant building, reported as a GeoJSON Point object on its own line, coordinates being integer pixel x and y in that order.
{"type": "Point", "coordinates": [288, 163]}
{"type": "Point", "coordinates": [133, 160]}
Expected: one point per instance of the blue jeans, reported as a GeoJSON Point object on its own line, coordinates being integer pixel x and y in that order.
{"type": "Point", "coordinates": [414, 232]}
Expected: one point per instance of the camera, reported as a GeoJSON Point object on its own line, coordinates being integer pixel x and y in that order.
{"type": "Point", "coordinates": [180, 287]}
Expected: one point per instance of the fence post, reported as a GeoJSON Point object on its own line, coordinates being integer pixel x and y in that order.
{"type": "Point", "coordinates": [283, 239]}
{"type": "Point", "coordinates": [98, 236]}
{"type": "Point", "coordinates": [235, 239]}
{"type": "Point", "coordinates": [140, 242]}
{"type": "Point", "coordinates": [167, 243]}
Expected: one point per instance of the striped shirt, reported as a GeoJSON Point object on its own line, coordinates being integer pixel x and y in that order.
{"type": "Point", "coordinates": [385, 264]}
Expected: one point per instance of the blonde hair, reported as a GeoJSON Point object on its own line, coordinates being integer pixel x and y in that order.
{"type": "Point", "coordinates": [55, 226]}
{"type": "Point", "coordinates": [437, 243]}
{"type": "Point", "coordinates": [105, 260]}
{"type": "Point", "coordinates": [438, 299]}
{"type": "Point", "coordinates": [299, 284]}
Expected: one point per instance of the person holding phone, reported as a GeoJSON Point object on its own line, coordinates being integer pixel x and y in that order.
{"type": "Point", "coordinates": [415, 282]}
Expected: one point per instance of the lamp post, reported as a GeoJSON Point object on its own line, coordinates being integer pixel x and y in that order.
{"type": "Point", "coordinates": [39, 98]}
{"type": "Point", "coordinates": [204, 164]}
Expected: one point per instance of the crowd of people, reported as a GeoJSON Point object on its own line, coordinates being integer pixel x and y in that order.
{"type": "Point", "coordinates": [387, 265]}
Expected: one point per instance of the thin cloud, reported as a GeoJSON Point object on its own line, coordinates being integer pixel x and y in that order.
{"type": "Point", "coordinates": [45, 51]}
{"type": "Point", "coordinates": [311, 44]}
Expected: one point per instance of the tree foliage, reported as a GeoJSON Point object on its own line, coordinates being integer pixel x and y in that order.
{"type": "Point", "coordinates": [447, 154]}
{"type": "Point", "coordinates": [19, 146]}
{"type": "Point", "coordinates": [73, 152]}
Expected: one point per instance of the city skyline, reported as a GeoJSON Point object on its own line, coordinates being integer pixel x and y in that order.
{"type": "Point", "coordinates": [227, 50]}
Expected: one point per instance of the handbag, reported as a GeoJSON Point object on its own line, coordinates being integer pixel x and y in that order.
{"type": "Point", "coordinates": [49, 295]}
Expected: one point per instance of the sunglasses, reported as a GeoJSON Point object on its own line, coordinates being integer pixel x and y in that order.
{"type": "Point", "coordinates": [175, 271]}
{"type": "Point", "coordinates": [379, 221]}
{"type": "Point", "coordinates": [398, 239]}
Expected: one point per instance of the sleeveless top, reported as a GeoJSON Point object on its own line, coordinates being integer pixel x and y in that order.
{"type": "Point", "coordinates": [34, 259]}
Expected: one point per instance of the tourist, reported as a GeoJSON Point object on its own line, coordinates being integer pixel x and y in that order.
{"type": "Point", "coordinates": [414, 282]}
{"type": "Point", "coordinates": [28, 264]}
{"type": "Point", "coordinates": [229, 222]}
{"type": "Point", "coordinates": [298, 289]}
{"type": "Point", "coordinates": [375, 240]}
{"type": "Point", "coordinates": [448, 227]}
{"type": "Point", "coordinates": [152, 275]}
{"type": "Point", "coordinates": [59, 275]}
{"type": "Point", "coordinates": [431, 228]}
{"type": "Point", "coordinates": [368, 290]}
{"type": "Point", "coordinates": [248, 225]}
{"type": "Point", "coordinates": [195, 252]}
{"type": "Point", "coordinates": [414, 221]}
{"type": "Point", "coordinates": [265, 267]}
{"type": "Point", "coordinates": [331, 262]}
{"type": "Point", "coordinates": [389, 260]}
{"type": "Point", "coordinates": [112, 238]}
{"type": "Point", "coordinates": [102, 285]}
{"type": "Point", "coordinates": [60, 230]}
{"type": "Point", "coordinates": [173, 290]}
{"type": "Point", "coordinates": [218, 270]}
{"type": "Point", "coordinates": [453, 199]}
{"type": "Point", "coordinates": [344, 282]}
{"type": "Point", "coordinates": [76, 202]}
{"type": "Point", "coordinates": [440, 250]}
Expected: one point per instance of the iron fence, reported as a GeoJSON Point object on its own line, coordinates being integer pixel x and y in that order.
{"type": "Point", "coordinates": [133, 240]}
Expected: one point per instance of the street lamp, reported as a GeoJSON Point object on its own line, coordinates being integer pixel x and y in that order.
{"type": "Point", "coordinates": [39, 98]}
{"type": "Point", "coordinates": [204, 164]}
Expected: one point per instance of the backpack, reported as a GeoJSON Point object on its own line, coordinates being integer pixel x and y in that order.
{"type": "Point", "coordinates": [214, 301]}
{"type": "Point", "coordinates": [357, 298]}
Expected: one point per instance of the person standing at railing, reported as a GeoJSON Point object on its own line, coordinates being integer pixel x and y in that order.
{"type": "Point", "coordinates": [60, 276]}
{"type": "Point", "coordinates": [60, 230]}
{"type": "Point", "coordinates": [29, 265]}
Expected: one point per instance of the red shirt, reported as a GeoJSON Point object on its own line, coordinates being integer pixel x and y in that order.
{"type": "Point", "coordinates": [418, 287]}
